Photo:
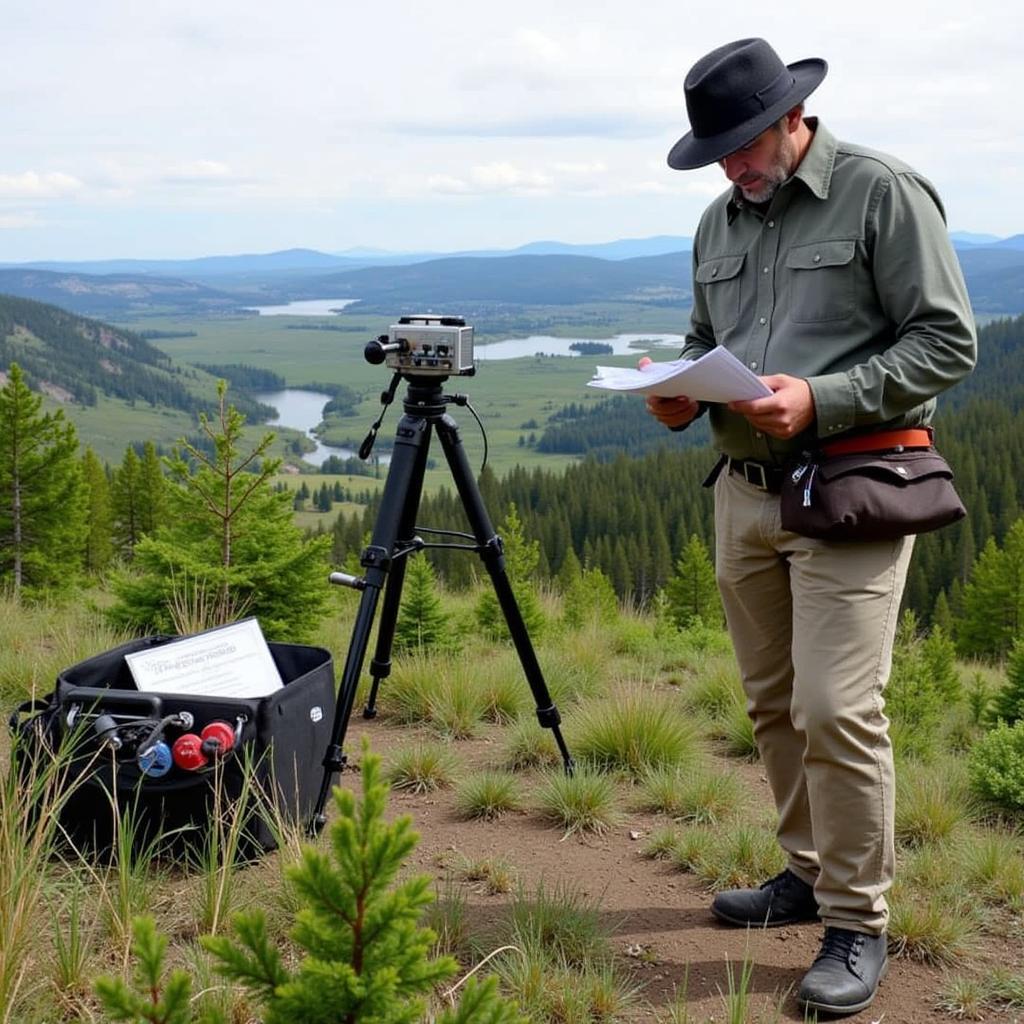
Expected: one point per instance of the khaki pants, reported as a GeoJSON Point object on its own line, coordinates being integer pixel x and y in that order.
{"type": "Point", "coordinates": [813, 623]}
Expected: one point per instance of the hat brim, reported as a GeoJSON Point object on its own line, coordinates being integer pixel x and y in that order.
{"type": "Point", "coordinates": [691, 152]}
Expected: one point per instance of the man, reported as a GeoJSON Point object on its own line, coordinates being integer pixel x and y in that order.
{"type": "Point", "coordinates": [826, 268]}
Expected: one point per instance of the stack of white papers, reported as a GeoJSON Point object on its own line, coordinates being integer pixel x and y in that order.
{"type": "Point", "coordinates": [227, 661]}
{"type": "Point", "coordinates": [717, 376]}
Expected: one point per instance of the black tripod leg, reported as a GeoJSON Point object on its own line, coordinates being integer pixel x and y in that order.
{"type": "Point", "coordinates": [494, 560]}
{"type": "Point", "coordinates": [399, 504]}
{"type": "Point", "coordinates": [380, 663]}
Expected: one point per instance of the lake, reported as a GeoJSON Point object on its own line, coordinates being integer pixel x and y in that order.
{"type": "Point", "coordinates": [304, 307]}
{"type": "Point", "coordinates": [304, 410]}
{"type": "Point", "coordinates": [543, 344]}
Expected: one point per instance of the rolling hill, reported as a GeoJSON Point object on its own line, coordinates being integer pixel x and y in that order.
{"type": "Point", "coordinates": [114, 295]}
{"type": "Point", "coordinates": [479, 282]}
{"type": "Point", "coordinates": [75, 359]}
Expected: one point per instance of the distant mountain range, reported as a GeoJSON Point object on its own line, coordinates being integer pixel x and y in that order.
{"type": "Point", "coordinates": [640, 270]}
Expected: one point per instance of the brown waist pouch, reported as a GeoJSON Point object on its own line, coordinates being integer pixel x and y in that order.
{"type": "Point", "coordinates": [867, 487]}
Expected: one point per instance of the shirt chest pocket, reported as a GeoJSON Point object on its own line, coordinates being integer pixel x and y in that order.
{"type": "Point", "coordinates": [821, 281]}
{"type": "Point", "coordinates": [720, 278]}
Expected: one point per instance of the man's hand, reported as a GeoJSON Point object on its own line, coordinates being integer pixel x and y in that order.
{"type": "Point", "coordinates": [670, 412]}
{"type": "Point", "coordinates": [785, 413]}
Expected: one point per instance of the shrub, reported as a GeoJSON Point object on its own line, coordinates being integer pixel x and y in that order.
{"type": "Point", "coordinates": [996, 766]}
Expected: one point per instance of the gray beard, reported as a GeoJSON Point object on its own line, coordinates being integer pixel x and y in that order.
{"type": "Point", "coordinates": [775, 178]}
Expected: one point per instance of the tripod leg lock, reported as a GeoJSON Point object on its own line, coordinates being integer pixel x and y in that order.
{"type": "Point", "coordinates": [375, 558]}
{"type": "Point", "coordinates": [334, 760]}
{"type": "Point", "coordinates": [549, 718]}
{"type": "Point", "coordinates": [492, 550]}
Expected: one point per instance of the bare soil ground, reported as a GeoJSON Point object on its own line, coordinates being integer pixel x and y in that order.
{"type": "Point", "coordinates": [659, 916]}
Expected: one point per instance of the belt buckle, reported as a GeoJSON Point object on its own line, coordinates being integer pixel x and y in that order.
{"type": "Point", "coordinates": [754, 470]}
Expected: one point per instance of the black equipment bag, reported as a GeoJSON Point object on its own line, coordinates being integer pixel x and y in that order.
{"type": "Point", "coordinates": [280, 741]}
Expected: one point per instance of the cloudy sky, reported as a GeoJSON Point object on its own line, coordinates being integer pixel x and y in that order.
{"type": "Point", "coordinates": [181, 128]}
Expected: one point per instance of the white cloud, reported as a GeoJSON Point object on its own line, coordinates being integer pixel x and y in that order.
{"type": "Point", "coordinates": [198, 172]}
{"type": "Point", "coordinates": [19, 219]}
{"type": "Point", "coordinates": [36, 185]}
{"type": "Point", "coordinates": [497, 177]}
{"type": "Point", "coordinates": [341, 122]}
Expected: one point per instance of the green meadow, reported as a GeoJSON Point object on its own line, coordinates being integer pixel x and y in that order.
{"type": "Point", "coordinates": [514, 398]}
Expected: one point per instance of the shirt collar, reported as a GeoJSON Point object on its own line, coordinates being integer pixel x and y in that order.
{"type": "Point", "coordinates": [815, 170]}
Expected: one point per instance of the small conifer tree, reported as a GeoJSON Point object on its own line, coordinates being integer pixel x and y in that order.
{"type": "Point", "coordinates": [521, 560]}
{"type": "Point", "coordinates": [230, 545]}
{"type": "Point", "coordinates": [42, 496]}
{"type": "Point", "coordinates": [126, 500]}
{"type": "Point", "coordinates": [692, 592]}
{"type": "Point", "coordinates": [1008, 703]}
{"type": "Point", "coordinates": [99, 544]}
{"type": "Point", "coordinates": [422, 624]}
{"type": "Point", "coordinates": [365, 957]}
{"type": "Point", "coordinates": [590, 598]}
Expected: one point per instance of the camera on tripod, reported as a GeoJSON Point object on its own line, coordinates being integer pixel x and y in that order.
{"type": "Point", "coordinates": [426, 345]}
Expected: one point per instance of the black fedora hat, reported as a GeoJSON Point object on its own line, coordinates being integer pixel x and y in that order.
{"type": "Point", "coordinates": [735, 93]}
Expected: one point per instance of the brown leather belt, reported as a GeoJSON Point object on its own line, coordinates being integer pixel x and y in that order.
{"type": "Point", "coordinates": [881, 440]}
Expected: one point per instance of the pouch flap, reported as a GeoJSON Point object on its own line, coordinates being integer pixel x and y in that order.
{"type": "Point", "coordinates": [821, 254]}
{"type": "Point", "coordinates": [899, 468]}
{"type": "Point", "coordinates": [721, 268]}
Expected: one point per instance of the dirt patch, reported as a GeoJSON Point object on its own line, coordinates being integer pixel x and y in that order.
{"type": "Point", "coordinates": [659, 916]}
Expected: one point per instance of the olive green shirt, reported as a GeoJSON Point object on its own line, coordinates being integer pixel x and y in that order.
{"type": "Point", "coordinates": [848, 280]}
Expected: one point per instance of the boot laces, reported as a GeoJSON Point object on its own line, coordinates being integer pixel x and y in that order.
{"type": "Point", "coordinates": [840, 944]}
{"type": "Point", "coordinates": [783, 880]}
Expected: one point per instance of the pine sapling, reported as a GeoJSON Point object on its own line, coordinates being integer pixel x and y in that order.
{"type": "Point", "coordinates": [366, 956]}
{"type": "Point", "coordinates": [154, 999]}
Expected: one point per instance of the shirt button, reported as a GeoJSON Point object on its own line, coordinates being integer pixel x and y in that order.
{"type": "Point", "coordinates": [753, 365]}
{"type": "Point", "coordinates": [771, 223]}
{"type": "Point", "coordinates": [763, 321]}
{"type": "Point", "coordinates": [764, 270]}
{"type": "Point", "coordinates": [714, 273]}
{"type": "Point", "coordinates": [817, 257]}
{"type": "Point", "coordinates": [758, 435]}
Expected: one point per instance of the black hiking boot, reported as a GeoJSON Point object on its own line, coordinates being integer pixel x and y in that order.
{"type": "Point", "coordinates": [846, 973]}
{"type": "Point", "coordinates": [784, 899]}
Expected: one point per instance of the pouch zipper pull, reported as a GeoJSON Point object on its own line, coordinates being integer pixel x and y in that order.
{"type": "Point", "coordinates": [807, 487]}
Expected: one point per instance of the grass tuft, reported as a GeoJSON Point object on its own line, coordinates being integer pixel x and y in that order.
{"type": "Point", "coordinates": [635, 730]}
{"type": "Point", "coordinates": [932, 802]}
{"type": "Point", "coordinates": [527, 745]}
{"type": "Point", "coordinates": [993, 867]}
{"type": "Point", "coordinates": [494, 875]}
{"type": "Point", "coordinates": [581, 802]}
{"type": "Point", "coordinates": [487, 796]}
{"type": "Point", "coordinates": [422, 768]}
{"type": "Point", "coordinates": [937, 930]}
{"type": "Point", "coordinates": [702, 796]}
{"type": "Point", "coordinates": [741, 855]}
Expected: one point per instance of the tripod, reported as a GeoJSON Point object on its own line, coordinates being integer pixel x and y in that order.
{"type": "Point", "coordinates": [384, 562]}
